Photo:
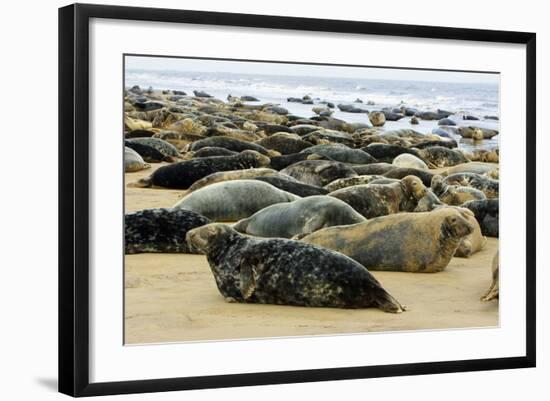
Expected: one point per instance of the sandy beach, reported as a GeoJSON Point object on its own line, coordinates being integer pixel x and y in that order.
{"type": "Point", "coordinates": [173, 297]}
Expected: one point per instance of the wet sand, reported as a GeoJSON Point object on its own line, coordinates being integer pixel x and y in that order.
{"type": "Point", "coordinates": [173, 297]}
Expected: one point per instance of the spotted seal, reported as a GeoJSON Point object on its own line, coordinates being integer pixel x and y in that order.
{"type": "Point", "coordinates": [229, 143]}
{"type": "Point", "coordinates": [318, 172]}
{"type": "Point", "coordinates": [351, 181]}
{"type": "Point", "coordinates": [441, 156]}
{"type": "Point", "coordinates": [284, 143]}
{"type": "Point", "coordinates": [233, 200]}
{"type": "Point", "coordinates": [492, 292]}
{"type": "Point", "coordinates": [409, 242]}
{"type": "Point", "coordinates": [285, 272]}
{"type": "Point", "coordinates": [486, 212]}
{"type": "Point", "coordinates": [182, 175]}
{"type": "Point", "coordinates": [380, 200]}
{"type": "Point", "coordinates": [302, 216]}
{"type": "Point", "coordinates": [292, 185]}
{"type": "Point", "coordinates": [159, 230]}
{"type": "Point", "coordinates": [454, 194]}
{"type": "Point", "coordinates": [401, 172]}
{"type": "Point", "coordinates": [407, 160]}
{"type": "Point", "coordinates": [489, 186]}
{"type": "Point", "coordinates": [341, 153]}
{"type": "Point", "coordinates": [231, 175]}
{"type": "Point", "coordinates": [133, 161]}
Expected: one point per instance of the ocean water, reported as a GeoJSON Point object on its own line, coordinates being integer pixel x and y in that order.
{"type": "Point", "coordinates": [471, 98]}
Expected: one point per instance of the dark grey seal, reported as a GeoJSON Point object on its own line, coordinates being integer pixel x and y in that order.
{"type": "Point", "coordinates": [341, 153]}
{"type": "Point", "coordinates": [159, 230]}
{"type": "Point", "coordinates": [183, 174]}
{"type": "Point", "coordinates": [486, 213]}
{"type": "Point", "coordinates": [229, 143]}
{"type": "Point", "coordinates": [286, 272]}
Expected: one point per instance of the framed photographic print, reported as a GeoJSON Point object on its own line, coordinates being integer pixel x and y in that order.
{"type": "Point", "coordinates": [251, 199]}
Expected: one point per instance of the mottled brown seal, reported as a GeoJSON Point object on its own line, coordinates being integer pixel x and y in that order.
{"type": "Point", "coordinates": [379, 200]}
{"type": "Point", "coordinates": [409, 242]}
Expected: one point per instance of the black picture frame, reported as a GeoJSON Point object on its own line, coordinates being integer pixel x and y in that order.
{"type": "Point", "coordinates": [74, 199]}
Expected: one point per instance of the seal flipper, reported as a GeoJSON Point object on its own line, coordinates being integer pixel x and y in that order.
{"type": "Point", "coordinates": [248, 276]}
{"type": "Point", "coordinates": [387, 303]}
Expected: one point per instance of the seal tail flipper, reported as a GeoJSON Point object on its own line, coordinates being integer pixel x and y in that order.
{"type": "Point", "coordinates": [387, 303]}
{"type": "Point", "coordinates": [142, 183]}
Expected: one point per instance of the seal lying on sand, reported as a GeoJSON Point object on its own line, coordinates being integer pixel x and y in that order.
{"type": "Point", "coordinates": [291, 185]}
{"type": "Point", "coordinates": [163, 147]}
{"type": "Point", "coordinates": [492, 292]}
{"type": "Point", "coordinates": [159, 230]}
{"type": "Point", "coordinates": [409, 242]}
{"type": "Point", "coordinates": [487, 185]}
{"type": "Point", "coordinates": [284, 143]}
{"type": "Point", "coordinates": [473, 242]}
{"type": "Point", "coordinates": [401, 172]}
{"type": "Point", "coordinates": [318, 172]}
{"type": "Point", "coordinates": [373, 169]}
{"type": "Point", "coordinates": [133, 161]}
{"type": "Point", "coordinates": [407, 160]}
{"type": "Point", "coordinates": [472, 167]}
{"type": "Point", "coordinates": [147, 152]}
{"type": "Point", "coordinates": [231, 175]}
{"type": "Point", "coordinates": [379, 200]}
{"type": "Point", "coordinates": [281, 162]}
{"type": "Point", "coordinates": [349, 182]}
{"type": "Point", "coordinates": [341, 153]}
{"type": "Point", "coordinates": [286, 272]}
{"type": "Point", "coordinates": [440, 156]}
{"type": "Point", "coordinates": [229, 143]}
{"type": "Point", "coordinates": [183, 174]}
{"type": "Point", "coordinates": [486, 212]}
{"type": "Point", "coordinates": [209, 151]}
{"type": "Point", "coordinates": [233, 200]}
{"type": "Point", "coordinates": [303, 216]}
{"type": "Point", "coordinates": [453, 194]}
{"type": "Point", "coordinates": [386, 152]}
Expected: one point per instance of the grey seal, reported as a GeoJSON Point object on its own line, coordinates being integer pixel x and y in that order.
{"type": "Point", "coordinates": [183, 174]}
{"type": "Point", "coordinates": [318, 172]}
{"type": "Point", "coordinates": [410, 242]}
{"type": "Point", "coordinates": [159, 230]}
{"type": "Point", "coordinates": [302, 216]}
{"type": "Point", "coordinates": [379, 200]}
{"type": "Point", "coordinates": [286, 272]}
{"type": "Point", "coordinates": [233, 200]}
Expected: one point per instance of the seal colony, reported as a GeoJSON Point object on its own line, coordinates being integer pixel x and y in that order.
{"type": "Point", "coordinates": [316, 204]}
